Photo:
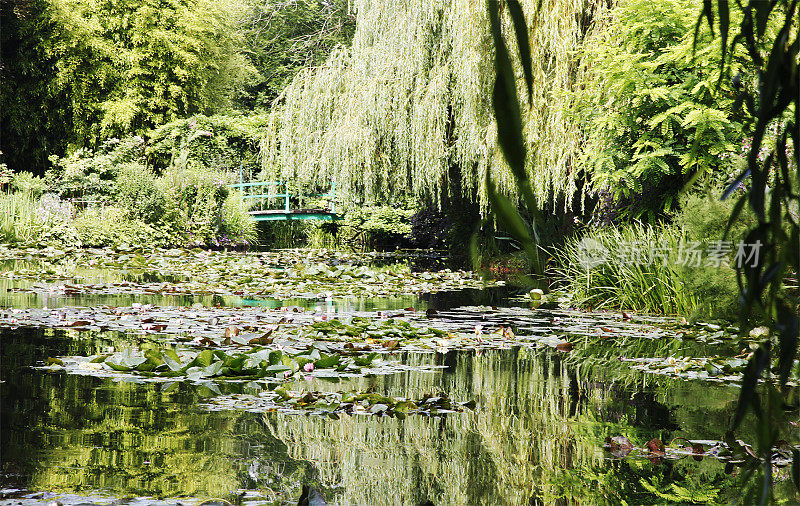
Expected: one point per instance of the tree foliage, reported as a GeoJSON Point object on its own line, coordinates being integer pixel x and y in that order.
{"type": "Point", "coordinates": [769, 35]}
{"type": "Point", "coordinates": [654, 116]}
{"type": "Point", "coordinates": [76, 72]}
{"type": "Point", "coordinates": [411, 99]}
{"type": "Point", "coordinates": [284, 36]}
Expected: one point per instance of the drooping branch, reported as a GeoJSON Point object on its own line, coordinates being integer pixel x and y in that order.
{"type": "Point", "coordinates": [411, 98]}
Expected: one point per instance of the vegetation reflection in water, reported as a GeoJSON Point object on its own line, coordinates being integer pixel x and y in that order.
{"type": "Point", "coordinates": [535, 436]}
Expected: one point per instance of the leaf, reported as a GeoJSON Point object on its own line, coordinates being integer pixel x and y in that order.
{"type": "Point", "coordinates": [735, 184]}
{"type": "Point", "coordinates": [523, 44]}
{"type": "Point", "coordinates": [282, 393]}
{"type": "Point", "coordinates": [723, 10]}
{"type": "Point", "coordinates": [697, 451]}
{"type": "Point", "coordinates": [365, 360]}
{"type": "Point", "coordinates": [327, 362]}
{"type": "Point", "coordinates": [509, 218]}
{"type": "Point", "coordinates": [565, 346]}
{"type": "Point", "coordinates": [504, 99]}
{"type": "Point", "coordinates": [204, 358]}
{"type": "Point", "coordinates": [262, 340]}
{"type": "Point", "coordinates": [752, 373]}
{"type": "Point", "coordinates": [378, 408]}
{"type": "Point", "coordinates": [787, 341]}
{"type": "Point", "coordinates": [619, 446]}
{"type": "Point", "coordinates": [213, 369]}
{"type": "Point", "coordinates": [275, 357]}
{"type": "Point", "coordinates": [174, 364]}
{"type": "Point", "coordinates": [763, 9]}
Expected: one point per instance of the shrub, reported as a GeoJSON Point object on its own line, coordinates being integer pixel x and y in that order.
{"type": "Point", "coordinates": [195, 198]}
{"type": "Point", "coordinates": [112, 226]}
{"type": "Point", "coordinates": [28, 183]}
{"type": "Point", "coordinates": [18, 221]}
{"type": "Point", "coordinates": [380, 226]}
{"type": "Point", "coordinates": [704, 290]}
{"type": "Point", "coordinates": [600, 273]}
{"type": "Point", "coordinates": [703, 219]}
{"type": "Point", "coordinates": [138, 193]}
{"type": "Point", "coordinates": [239, 228]}
{"type": "Point", "coordinates": [216, 142]}
{"type": "Point", "coordinates": [92, 174]}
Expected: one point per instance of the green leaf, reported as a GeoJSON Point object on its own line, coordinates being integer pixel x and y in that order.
{"type": "Point", "coordinates": [509, 218]}
{"type": "Point", "coordinates": [523, 44]}
{"type": "Point", "coordinates": [787, 341]}
{"type": "Point", "coordinates": [275, 357]}
{"type": "Point", "coordinates": [327, 362]}
{"type": "Point", "coordinates": [365, 360]}
{"type": "Point", "coordinates": [723, 9]}
{"type": "Point", "coordinates": [752, 373]}
{"type": "Point", "coordinates": [174, 364]}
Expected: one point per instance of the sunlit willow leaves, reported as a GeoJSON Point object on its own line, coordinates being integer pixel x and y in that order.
{"type": "Point", "coordinates": [411, 99]}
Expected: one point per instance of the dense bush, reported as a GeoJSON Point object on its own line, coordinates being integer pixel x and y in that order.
{"type": "Point", "coordinates": [379, 226]}
{"type": "Point", "coordinates": [112, 226]}
{"type": "Point", "coordinates": [187, 204]}
{"type": "Point", "coordinates": [27, 219]}
{"type": "Point", "coordinates": [703, 219]}
{"type": "Point", "coordinates": [653, 113]}
{"type": "Point", "coordinates": [610, 268]}
{"type": "Point", "coordinates": [227, 143]}
{"type": "Point", "coordinates": [670, 282]}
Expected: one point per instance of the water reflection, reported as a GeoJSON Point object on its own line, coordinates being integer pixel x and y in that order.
{"type": "Point", "coordinates": [19, 277]}
{"type": "Point", "coordinates": [535, 437]}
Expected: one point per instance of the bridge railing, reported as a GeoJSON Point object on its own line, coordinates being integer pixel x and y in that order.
{"type": "Point", "coordinates": [260, 186]}
{"type": "Point", "coordinates": [266, 190]}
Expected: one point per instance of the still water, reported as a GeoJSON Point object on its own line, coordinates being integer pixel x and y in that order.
{"type": "Point", "coordinates": [535, 436]}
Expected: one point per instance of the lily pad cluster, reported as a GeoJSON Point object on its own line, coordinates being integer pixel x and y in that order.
{"type": "Point", "coordinates": [390, 333]}
{"type": "Point", "coordinates": [719, 369]}
{"type": "Point", "coordinates": [257, 364]}
{"type": "Point", "coordinates": [733, 452]}
{"type": "Point", "coordinates": [296, 273]}
{"type": "Point", "coordinates": [335, 403]}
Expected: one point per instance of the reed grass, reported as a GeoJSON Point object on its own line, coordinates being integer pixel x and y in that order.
{"type": "Point", "coordinates": [630, 276]}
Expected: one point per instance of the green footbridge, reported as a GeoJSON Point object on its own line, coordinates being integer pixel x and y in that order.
{"type": "Point", "coordinates": [275, 202]}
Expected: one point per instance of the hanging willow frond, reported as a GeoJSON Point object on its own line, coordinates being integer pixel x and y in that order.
{"type": "Point", "coordinates": [412, 97]}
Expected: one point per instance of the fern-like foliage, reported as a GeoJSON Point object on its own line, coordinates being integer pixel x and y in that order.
{"type": "Point", "coordinates": [653, 117]}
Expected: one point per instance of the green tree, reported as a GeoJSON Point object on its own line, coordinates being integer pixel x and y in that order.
{"type": "Point", "coordinates": [654, 117]}
{"type": "Point", "coordinates": [79, 71]}
{"type": "Point", "coordinates": [283, 36]}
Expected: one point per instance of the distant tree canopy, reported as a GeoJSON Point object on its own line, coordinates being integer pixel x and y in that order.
{"type": "Point", "coordinates": [283, 36]}
{"type": "Point", "coordinates": [622, 103]}
{"type": "Point", "coordinates": [76, 72]}
{"type": "Point", "coordinates": [390, 98]}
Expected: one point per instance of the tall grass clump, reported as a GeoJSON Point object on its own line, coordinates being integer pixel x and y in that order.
{"type": "Point", "coordinates": [18, 218]}
{"type": "Point", "coordinates": [238, 226]}
{"type": "Point", "coordinates": [632, 268]}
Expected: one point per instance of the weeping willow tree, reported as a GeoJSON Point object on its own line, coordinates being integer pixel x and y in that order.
{"type": "Point", "coordinates": [410, 100]}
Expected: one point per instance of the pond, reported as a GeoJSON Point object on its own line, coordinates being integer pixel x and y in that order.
{"type": "Point", "coordinates": [472, 398]}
